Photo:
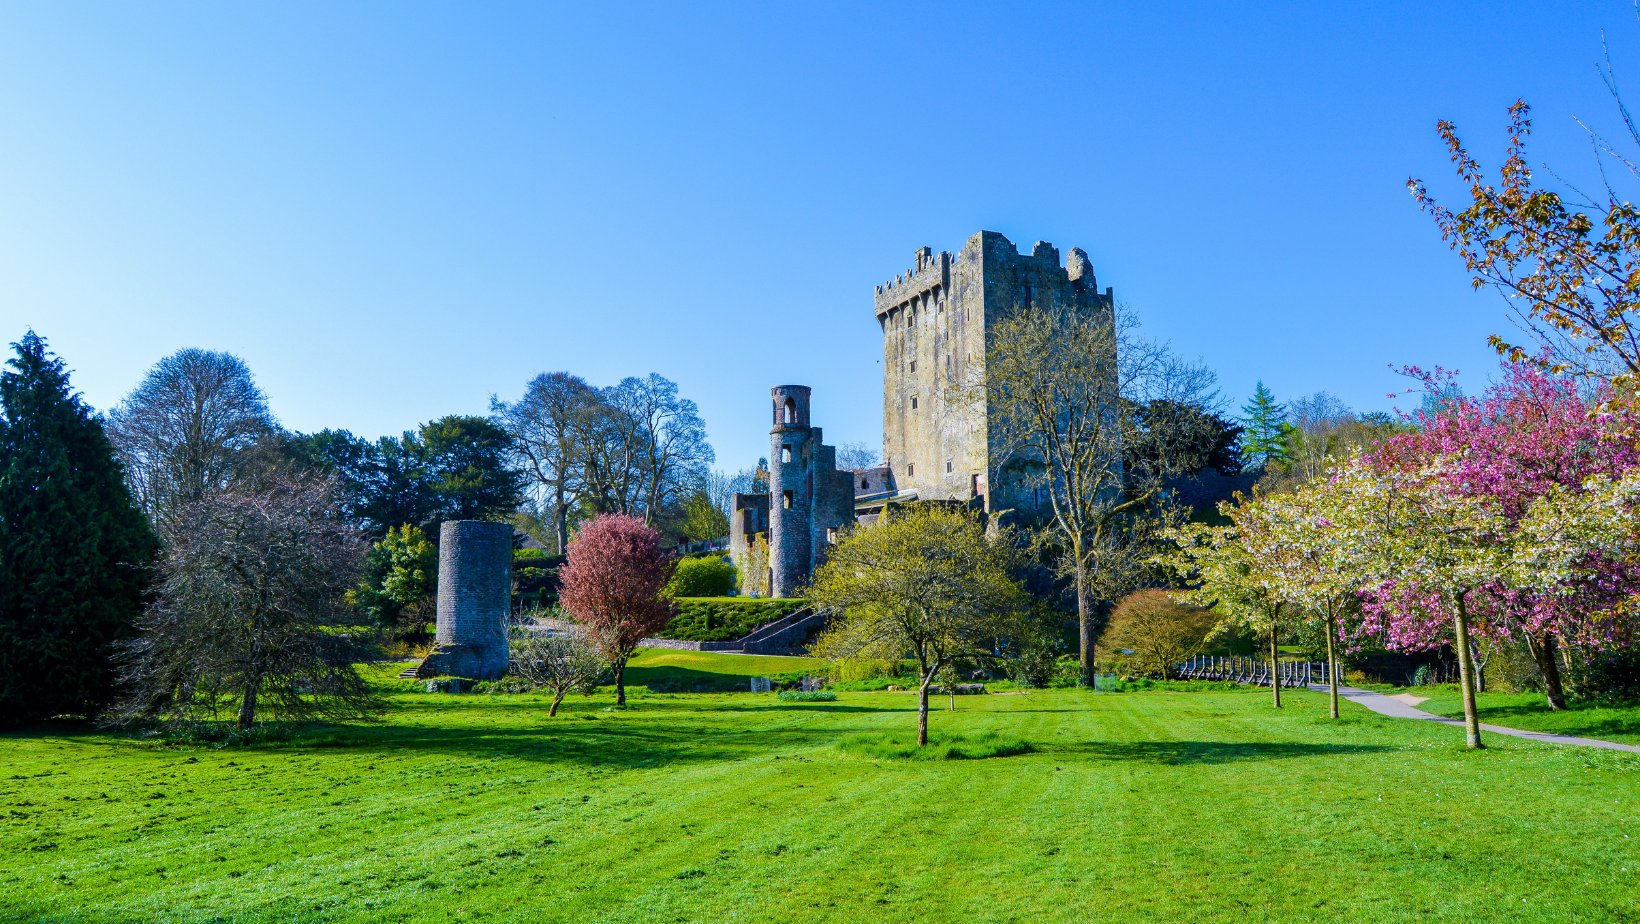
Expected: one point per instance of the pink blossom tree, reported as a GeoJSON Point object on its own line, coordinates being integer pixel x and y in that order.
{"type": "Point", "coordinates": [1528, 435]}
{"type": "Point", "coordinates": [614, 585]}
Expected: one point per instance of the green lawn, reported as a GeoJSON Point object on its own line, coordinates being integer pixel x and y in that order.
{"type": "Point", "coordinates": [1529, 711]}
{"type": "Point", "coordinates": [739, 808]}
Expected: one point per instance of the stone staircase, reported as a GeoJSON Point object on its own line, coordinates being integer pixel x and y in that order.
{"type": "Point", "coordinates": [785, 633]}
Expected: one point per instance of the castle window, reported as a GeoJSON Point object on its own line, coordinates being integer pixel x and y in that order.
{"type": "Point", "coordinates": [948, 466]}
{"type": "Point", "coordinates": [913, 365]}
{"type": "Point", "coordinates": [831, 535]}
{"type": "Point", "coordinates": [790, 411]}
{"type": "Point", "coordinates": [863, 484]}
{"type": "Point", "coordinates": [785, 453]}
{"type": "Point", "coordinates": [786, 499]}
{"type": "Point", "coordinates": [910, 469]}
{"type": "Point", "coordinates": [913, 403]}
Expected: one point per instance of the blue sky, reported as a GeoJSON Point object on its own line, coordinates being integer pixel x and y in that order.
{"type": "Point", "coordinates": [392, 211]}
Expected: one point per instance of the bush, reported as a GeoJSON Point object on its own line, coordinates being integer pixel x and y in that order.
{"type": "Point", "coordinates": [703, 577]}
{"type": "Point", "coordinates": [1423, 676]}
{"type": "Point", "coordinates": [1608, 676]}
{"type": "Point", "coordinates": [903, 746]}
{"type": "Point", "coordinates": [798, 696]}
{"type": "Point", "coordinates": [844, 671]}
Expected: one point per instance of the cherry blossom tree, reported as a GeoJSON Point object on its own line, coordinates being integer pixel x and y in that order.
{"type": "Point", "coordinates": [614, 585]}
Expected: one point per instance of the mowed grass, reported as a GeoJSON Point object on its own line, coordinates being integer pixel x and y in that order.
{"type": "Point", "coordinates": [741, 808]}
{"type": "Point", "coordinates": [1531, 712]}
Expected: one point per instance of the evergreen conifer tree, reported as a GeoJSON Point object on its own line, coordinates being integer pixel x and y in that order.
{"type": "Point", "coordinates": [1264, 434]}
{"type": "Point", "coordinates": [75, 551]}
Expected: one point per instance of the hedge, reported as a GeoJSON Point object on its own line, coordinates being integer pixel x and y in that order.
{"type": "Point", "coordinates": [723, 620]}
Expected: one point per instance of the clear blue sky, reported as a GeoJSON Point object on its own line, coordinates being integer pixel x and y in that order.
{"type": "Point", "coordinates": [393, 211]}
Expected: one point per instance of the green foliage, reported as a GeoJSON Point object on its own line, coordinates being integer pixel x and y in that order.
{"type": "Point", "coordinates": [702, 520]}
{"type": "Point", "coordinates": [702, 577]}
{"type": "Point", "coordinates": [806, 696]}
{"type": "Point", "coordinates": [75, 551]}
{"type": "Point", "coordinates": [528, 554]}
{"type": "Point", "coordinates": [941, 746]}
{"type": "Point", "coordinates": [723, 620]}
{"type": "Point", "coordinates": [400, 579]}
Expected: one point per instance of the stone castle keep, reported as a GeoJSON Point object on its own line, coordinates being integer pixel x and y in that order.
{"type": "Point", "coordinates": [935, 319]}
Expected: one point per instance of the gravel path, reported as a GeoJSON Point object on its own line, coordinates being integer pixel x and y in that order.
{"type": "Point", "coordinates": [1398, 707]}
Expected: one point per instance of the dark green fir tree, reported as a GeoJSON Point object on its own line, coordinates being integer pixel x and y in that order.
{"type": "Point", "coordinates": [75, 552]}
{"type": "Point", "coordinates": [1264, 431]}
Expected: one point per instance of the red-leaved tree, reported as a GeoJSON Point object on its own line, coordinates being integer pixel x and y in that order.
{"type": "Point", "coordinates": [614, 586]}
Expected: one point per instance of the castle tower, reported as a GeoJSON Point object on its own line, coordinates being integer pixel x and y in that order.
{"type": "Point", "coordinates": [936, 319]}
{"type": "Point", "coordinates": [791, 490]}
{"type": "Point", "coordinates": [474, 599]}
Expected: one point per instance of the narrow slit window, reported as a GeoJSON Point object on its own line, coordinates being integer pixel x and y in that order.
{"type": "Point", "coordinates": [785, 453]}
{"type": "Point", "coordinates": [913, 365]}
{"type": "Point", "coordinates": [831, 535]}
{"type": "Point", "coordinates": [786, 499]}
{"type": "Point", "coordinates": [910, 469]}
{"type": "Point", "coordinates": [913, 403]}
{"type": "Point", "coordinates": [948, 466]}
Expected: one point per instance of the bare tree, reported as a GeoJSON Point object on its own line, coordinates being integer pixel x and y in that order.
{"type": "Point", "coordinates": [1065, 390]}
{"type": "Point", "coordinates": [1318, 422]}
{"type": "Point", "coordinates": [854, 457]}
{"type": "Point", "coordinates": [552, 425]}
{"type": "Point", "coordinates": [650, 448]}
{"type": "Point", "coordinates": [187, 431]}
{"type": "Point", "coordinates": [559, 663]}
{"type": "Point", "coordinates": [254, 587]}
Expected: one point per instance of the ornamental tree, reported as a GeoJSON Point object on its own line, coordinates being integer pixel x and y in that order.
{"type": "Point", "coordinates": [1225, 569]}
{"type": "Point", "coordinates": [1427, 550]}
{"type": "Point", "coordinates": [1528, 435]}
{"type": "Point", "coordinates": [614, 584]}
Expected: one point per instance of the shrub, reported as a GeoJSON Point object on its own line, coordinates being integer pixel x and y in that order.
{"type": "Point", "coordinates": [1610, 675]}
{"type": "Point", "coordinates": [724, 620]}
{"type": "Point", "coordinates": [1161, 633]}
{"type": "Point", "coordinates": [844, 671]}
{"type": "Point", "coordinates": [703, 577]}
{"type": "Point", "coordinates": [903, 746]}
{"type": "Point", "coordinates": [813, 696]}
{"type": "Point", "coordinates": [1423, 676]}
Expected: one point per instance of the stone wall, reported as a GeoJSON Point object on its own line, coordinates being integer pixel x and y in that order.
{"type": "Point", "coordinates": [474, 599]}
{"type": "Point", "coordinates": [935, 319]}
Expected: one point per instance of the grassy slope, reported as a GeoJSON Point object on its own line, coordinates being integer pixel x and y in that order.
{"type": "Point", "coordinates": [1137, 807]}
{"type": "Point", "coordinates": [1529, 711]}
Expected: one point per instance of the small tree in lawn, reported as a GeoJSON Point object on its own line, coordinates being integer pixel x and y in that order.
{"type": "Point", "coordinates": [614, 585]}
{"type": "Point", "coordinates": [1226, 571]}
{"type": "Point", "coordinates": [924, 582]}
{"type": "Point", "coordinates": [251, 610]}
{"type": "Point", "coordinates": [559, 663]}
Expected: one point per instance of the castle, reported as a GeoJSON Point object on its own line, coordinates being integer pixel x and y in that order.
{"type": "Point", "coordinates": [937, 444]}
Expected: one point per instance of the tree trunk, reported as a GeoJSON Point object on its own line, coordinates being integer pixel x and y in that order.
{"type": "Point", "coordinates": [1466, 678]}
{"type": "Point", "coordinates": [1084, 616]}
{"type": "Point", "coordinates": [556, 699]}
{"type": "Point", "coordinates": [1275, 667]}
{"type": "Point", "coordinates": [620, 683]}
{"type": "Point", "coordinates": [560, 517]}
{"type": "Point", "coordinates": [922, 713]}
{"type": "Point", "coordinates": [1543, 652]}
{"type": "Point", "coordinates": [247, 705]}
{"type": "Point", "coordinates": [1332, 667]}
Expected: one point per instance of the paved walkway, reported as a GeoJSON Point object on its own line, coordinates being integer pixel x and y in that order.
{"type": "Point", "coordinates": [1400, 708]}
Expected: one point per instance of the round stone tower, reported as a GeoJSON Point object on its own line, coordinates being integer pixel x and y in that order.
{"type": "Point", "coordinates": [474, 598]}
{"type": "Point", "coordinates": [791, 490]}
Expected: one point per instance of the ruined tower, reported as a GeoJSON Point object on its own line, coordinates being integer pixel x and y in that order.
{"type": "Point", "coordinates": [808, 502]}
{"type": "Point", "coordinates": [474, 599]}
{"type": "Point", "coordinates": [936, 318]}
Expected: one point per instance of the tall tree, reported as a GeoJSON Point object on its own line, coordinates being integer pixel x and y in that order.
{"type": "Point", "coordinates": [552, 430]}
{"type": "Point", "coordinates": [75, 551]}
{"type": "Point", "coordinates": [189, 428]}
{"type": "Point", "coordinates": [614, 585]}
{"type": "Point", "coordinates": [925, 583]}
{"type": "Point", "coordinates": [469, 461]}
{"type": "Point", "coordinates": [657, 446]}
{"type": "Point", "coordinates": [255, 587]}
{"type": "Point", "coordinates": [1060, 387]}
{"type": "Point", "coordinates": [1264, 430]}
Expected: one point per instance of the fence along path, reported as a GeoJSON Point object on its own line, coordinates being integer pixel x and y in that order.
{"type": "Point", "coordinates": [1237, 669]}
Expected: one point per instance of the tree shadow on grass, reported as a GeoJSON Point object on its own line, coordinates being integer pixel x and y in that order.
{"type": "Point", "coordinates": [1203, 752]}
